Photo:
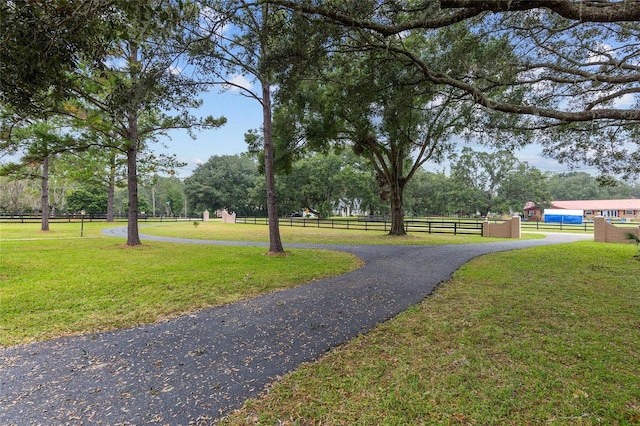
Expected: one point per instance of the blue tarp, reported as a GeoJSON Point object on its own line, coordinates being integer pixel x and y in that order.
{"type": "Point", "coordinates": [567, 217]}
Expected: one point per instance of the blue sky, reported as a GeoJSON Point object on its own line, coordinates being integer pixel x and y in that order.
{"type": "Point", "coordinates": [242, 114]}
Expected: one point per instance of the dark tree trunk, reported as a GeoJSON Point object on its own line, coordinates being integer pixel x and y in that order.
{"type": "Point", "coordinates": [44, 198]}
{"type": "Point", "coordinates": [133, 237]}
{"type": "Point", "coordinates": [396, 183]}
{"type": "Point", "coordinates": [132, 139]}
{"type": "Point", "coordinates": [397, 209]}
{"type": "Point", "coordinates": [275, 243]}
{"type": "Point", "coordinates": [111, 190]}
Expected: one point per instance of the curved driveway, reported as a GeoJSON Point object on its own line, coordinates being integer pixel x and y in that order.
{"type": "Point", "coordinates": [197, 368]}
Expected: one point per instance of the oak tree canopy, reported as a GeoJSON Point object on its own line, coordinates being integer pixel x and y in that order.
{"type": "Point", "coordinates": [577, 65]}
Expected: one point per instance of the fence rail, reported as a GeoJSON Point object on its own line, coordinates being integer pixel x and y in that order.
{"type": "Point", "coordinates": [30, 218]}
{"type": "Point", "coordinates": [413, 225]}
{"type": "Point", "coordinates": [429, 225]}
{"type": "Point", "coordinates": [448, 225]}
{"type": "Point", "coordinates": [554, 227]}
{"type": "Point", "coordinates": [586, 226]}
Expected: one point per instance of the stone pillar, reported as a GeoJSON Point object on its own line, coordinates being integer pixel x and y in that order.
{"type": "Point", "coordinates": [599, 229]}
{"type": "Point", "coordinates": [227, 217]}
{"type": "Point", "coordinates": [516, 231]}
{"type": "Point", "coordinates": [485, 227]}
{"type": "Point", "coordinates": [506, 229]}
{"type": "Point", "coordinates": [205, 216]}
{"type": "Point", "coordinates": [604, 232]}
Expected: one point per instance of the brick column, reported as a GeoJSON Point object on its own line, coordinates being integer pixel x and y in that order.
{"type": "Point", "coordinates": [516, 231]}
{"type": "Point", "coordinates": [599, 229]}
{"type": "Point", "coordinates": [485, 227]}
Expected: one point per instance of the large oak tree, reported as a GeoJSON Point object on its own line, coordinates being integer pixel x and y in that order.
{"type": "Point", "coordinates": [381, 106]}
{"type": "Point", "coordinates": [577, 62]}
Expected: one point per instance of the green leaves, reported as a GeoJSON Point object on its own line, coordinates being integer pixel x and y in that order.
{"type": "Point", "coordinates": [495, 182]}
{"type": "Point", "coordinates": [43, 42]}
{"type": "Point", "coordinates": [224, 182]}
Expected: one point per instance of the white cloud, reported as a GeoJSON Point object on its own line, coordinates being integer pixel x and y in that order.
{"type": "Point", "coordinates": [624, 101]}
{"type": "Point", "coordinates": [237, 83]}
{"type": "Point", "coordinates": [187, 170]}
{"type": "Point", "coordinates": [537, 160]}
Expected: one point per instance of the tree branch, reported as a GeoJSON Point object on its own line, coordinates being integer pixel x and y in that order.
{"type": "Point", "coordinates": [481, 98]}
{"type": "Point", "coordinates": [386, 30]}
{"type": "Point", "coordinates": [583, 11]}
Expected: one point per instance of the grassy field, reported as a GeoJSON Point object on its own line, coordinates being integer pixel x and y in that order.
{"type": "Point", "coordinates": [55, 283]}
{"type": "Point", "coordinates": [547, 335]}
{"type": "Point", "coordinates": [31, 231]}
{"type": "Point", "coordinates": [215, 230]}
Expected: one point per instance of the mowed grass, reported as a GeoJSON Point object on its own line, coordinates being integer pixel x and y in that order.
{"type": "Point", "coordinates": [55, 284]}
{"type": "Point", "coordinates": [216, 230]}
{"type": "Point", "coordinates": [542, 336]}
{"type": "Point", "coordinates": [73, 229]}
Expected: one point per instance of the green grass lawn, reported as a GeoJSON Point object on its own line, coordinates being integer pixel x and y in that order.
{"type": "Point", "coordinates": [547, 335]}
{"type": "Point", "coordinates": [31, 231]}
{"type": "Point", "coordinates": [54, 284]}
{"type": "Point", "coordinates": [215, 230]}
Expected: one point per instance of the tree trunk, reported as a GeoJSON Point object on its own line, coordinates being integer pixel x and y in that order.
{"type": "Point", "coordinates": [133, 238]}
{"type": "Point", "coordinates": [44, 199]}
{"type": "Point", "coordinates": [111, 189]}
{"type": "Point", "coordinates": [132, 136]}
{"type": "Point", "coordinates": [397, 210]}
{"type": "Point", "coordinates": [275, 243]}
{"type": "Point", "coordinates": [396, 183]}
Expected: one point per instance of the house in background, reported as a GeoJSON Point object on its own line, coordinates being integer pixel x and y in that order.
{"type": "Point", "coordinates": [623, 210]}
